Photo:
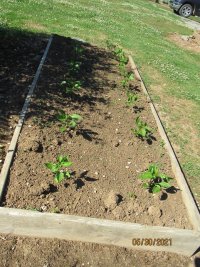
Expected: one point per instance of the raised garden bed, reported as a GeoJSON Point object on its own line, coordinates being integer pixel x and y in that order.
{"type": "Point", "coordinates": [107, 157]}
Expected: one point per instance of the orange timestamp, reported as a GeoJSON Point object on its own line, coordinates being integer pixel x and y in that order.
{"type": "Point", "coordinates": [152, 241]}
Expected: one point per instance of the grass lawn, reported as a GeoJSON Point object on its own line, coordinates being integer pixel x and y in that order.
{"type": "Point", "coordinates": [171, 74]}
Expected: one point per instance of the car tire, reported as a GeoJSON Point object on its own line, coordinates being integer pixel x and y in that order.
{"type": "Point", "coordinates": [186, 10]}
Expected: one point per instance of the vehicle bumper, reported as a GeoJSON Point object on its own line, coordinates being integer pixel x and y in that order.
{"type": "Point", "coordinates": [175, 6]}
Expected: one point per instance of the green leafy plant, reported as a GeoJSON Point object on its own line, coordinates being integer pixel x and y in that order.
{"type": "Point", "coordinates": [120, 55]}
{"type": "Point", "coordinates": [70, 86]}
{"type": "Point", "coordinates": [157, 180]}
{"type": "Point", "coordinates": [74, 66]}
{"type": "Point", "coordinates": [128, 76]}
{"type": "Point", "coordinates": [60, 169]}
{"type": "Point", "coordinates": [68, 121]}
{"type": "Point", "coordinates": [78, 50]}
{"type": "Point", "coordinates": [142, 130]}
{"type": "Point", "coordinates": [131, 98]}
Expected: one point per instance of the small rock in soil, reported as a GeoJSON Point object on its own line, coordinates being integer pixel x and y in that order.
{"type": "Point", "coordinates": [112, 200]}
{"type": "Point", "coordinates": [155, 211]}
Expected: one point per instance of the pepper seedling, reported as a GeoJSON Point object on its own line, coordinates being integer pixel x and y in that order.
{"type": "Point", "coordinates": [157, 181]}
{"type": "Point", "coordinates": [78, 50]}
{"type": "Point", "coordinates": [142, 130]}
{"type": "Point", "coordinates": [60, 169]}
{"type": "Point", "coordinates": [68, 121]}
{"type": "Point", "coordinates": [74, 66]}
{"type": "Point", "coordinates": [71, 86]}
{"type": "Point", "coordinates": [131, 98]}
{"type": "Point", "coordinates": [128, 76]}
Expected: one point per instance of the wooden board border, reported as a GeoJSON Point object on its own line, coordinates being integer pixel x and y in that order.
{"type": "Point", "coordinates": [75, 228]}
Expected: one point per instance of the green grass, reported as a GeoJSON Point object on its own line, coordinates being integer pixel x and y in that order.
{"type": "Point", "coordinates": [142, 28]}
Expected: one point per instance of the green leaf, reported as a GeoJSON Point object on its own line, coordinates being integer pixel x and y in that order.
{"type": "Point", "coordinates": [62, 117]}
{"type": "Point", "coordinates": [146, 175]}
{"type": "Point", "coordinates": [76, 117]}
{"type": "Point", "coordinates": [63, 129]}
{"type": "Point", "coordinates": [59, 177]}
{"type": "Point", "coordinates": [164, 184]}
{"type": "Point", "coordinates": [156, 188]}
{"type": "Point", "coordinates": [63, 82]}
{"type": "Point", "coordinates": [154, 170]}
{"type": "Point", "coordinates": [60, 158]}
{"type": "Point", "coordinates": [52, 166]}
{"type": "Point", "coordinates": [67, 174]}
{"type": "Point", "coordinates": [131, 77]}
{"type": "Point", "coordinates": [143, 132]}
{"type": "Point", "coordinates": [145, 185]}
{"type": "Point", "coordinates": [72, 124]}
{"type": "Point", "coordinates": [66, 164]}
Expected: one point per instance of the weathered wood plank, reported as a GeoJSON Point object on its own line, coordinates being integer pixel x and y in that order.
{"type": "Point", "coordinates": [187, 197]}
{"type": "Point", "coordinates": [76, 228]}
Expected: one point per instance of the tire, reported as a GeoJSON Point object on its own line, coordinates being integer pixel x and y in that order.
{"type": "Point", "coordinates": [186, 10]}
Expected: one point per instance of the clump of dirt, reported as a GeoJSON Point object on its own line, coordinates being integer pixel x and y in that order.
{"type": "Point", "coordinates": [191, 42]}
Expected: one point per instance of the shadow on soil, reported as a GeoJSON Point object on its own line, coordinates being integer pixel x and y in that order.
{"type": "Point", "coordinates": [20, 53]}
{"type": "Point", "coordinates": [60, 86]}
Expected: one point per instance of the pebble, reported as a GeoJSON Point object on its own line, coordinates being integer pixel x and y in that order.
{"type": "Point", "coordinates": [112, 200]}
{"type": "Point", "coordinates": [155, 211]}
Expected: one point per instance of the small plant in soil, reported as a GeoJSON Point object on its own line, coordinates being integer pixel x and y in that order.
{"type": "Point", "coordinates": [156, 181]}
{"type": "Point", "coordinates": [74, 66]}
{"type": "Point", "coordinates": [60, 169]}
{"type": "Point", "coordinates": [131, 98]}
{"type": "Point", "coordinates": [127, 78]}
{"type": "Point", "coordinates": [70, 86]}
{"type": "Point", "coordinates": [120, 55]}
{"type": "Point", "coordinates": [142, 130]}
{"type": "Point", "coordinates": [78, 50]}
{"type": "Point", "coordinates": [68, 121]}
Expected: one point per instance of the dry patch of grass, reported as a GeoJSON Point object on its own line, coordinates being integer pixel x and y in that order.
{"type": "Point", "coordinates": [35, 26]}
{"type": "Point", "coordinates": [191, 42]}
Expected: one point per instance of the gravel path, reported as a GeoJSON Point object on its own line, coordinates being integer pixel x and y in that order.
{"type": "Point", "coordinates": [191, 24]}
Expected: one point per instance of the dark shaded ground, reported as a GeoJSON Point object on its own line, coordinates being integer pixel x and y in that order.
{"type": "Point", "coordinates": [20, 54]}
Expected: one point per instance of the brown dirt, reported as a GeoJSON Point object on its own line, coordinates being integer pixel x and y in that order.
{"type": "Point", "coordinates": [187, 42]}
{"type": "Point", "coordinates": [34, 252]}
{"type": "Point", "coordinates": [106, 157]}
{"type": "Point", "coordinates": [20, 55]}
